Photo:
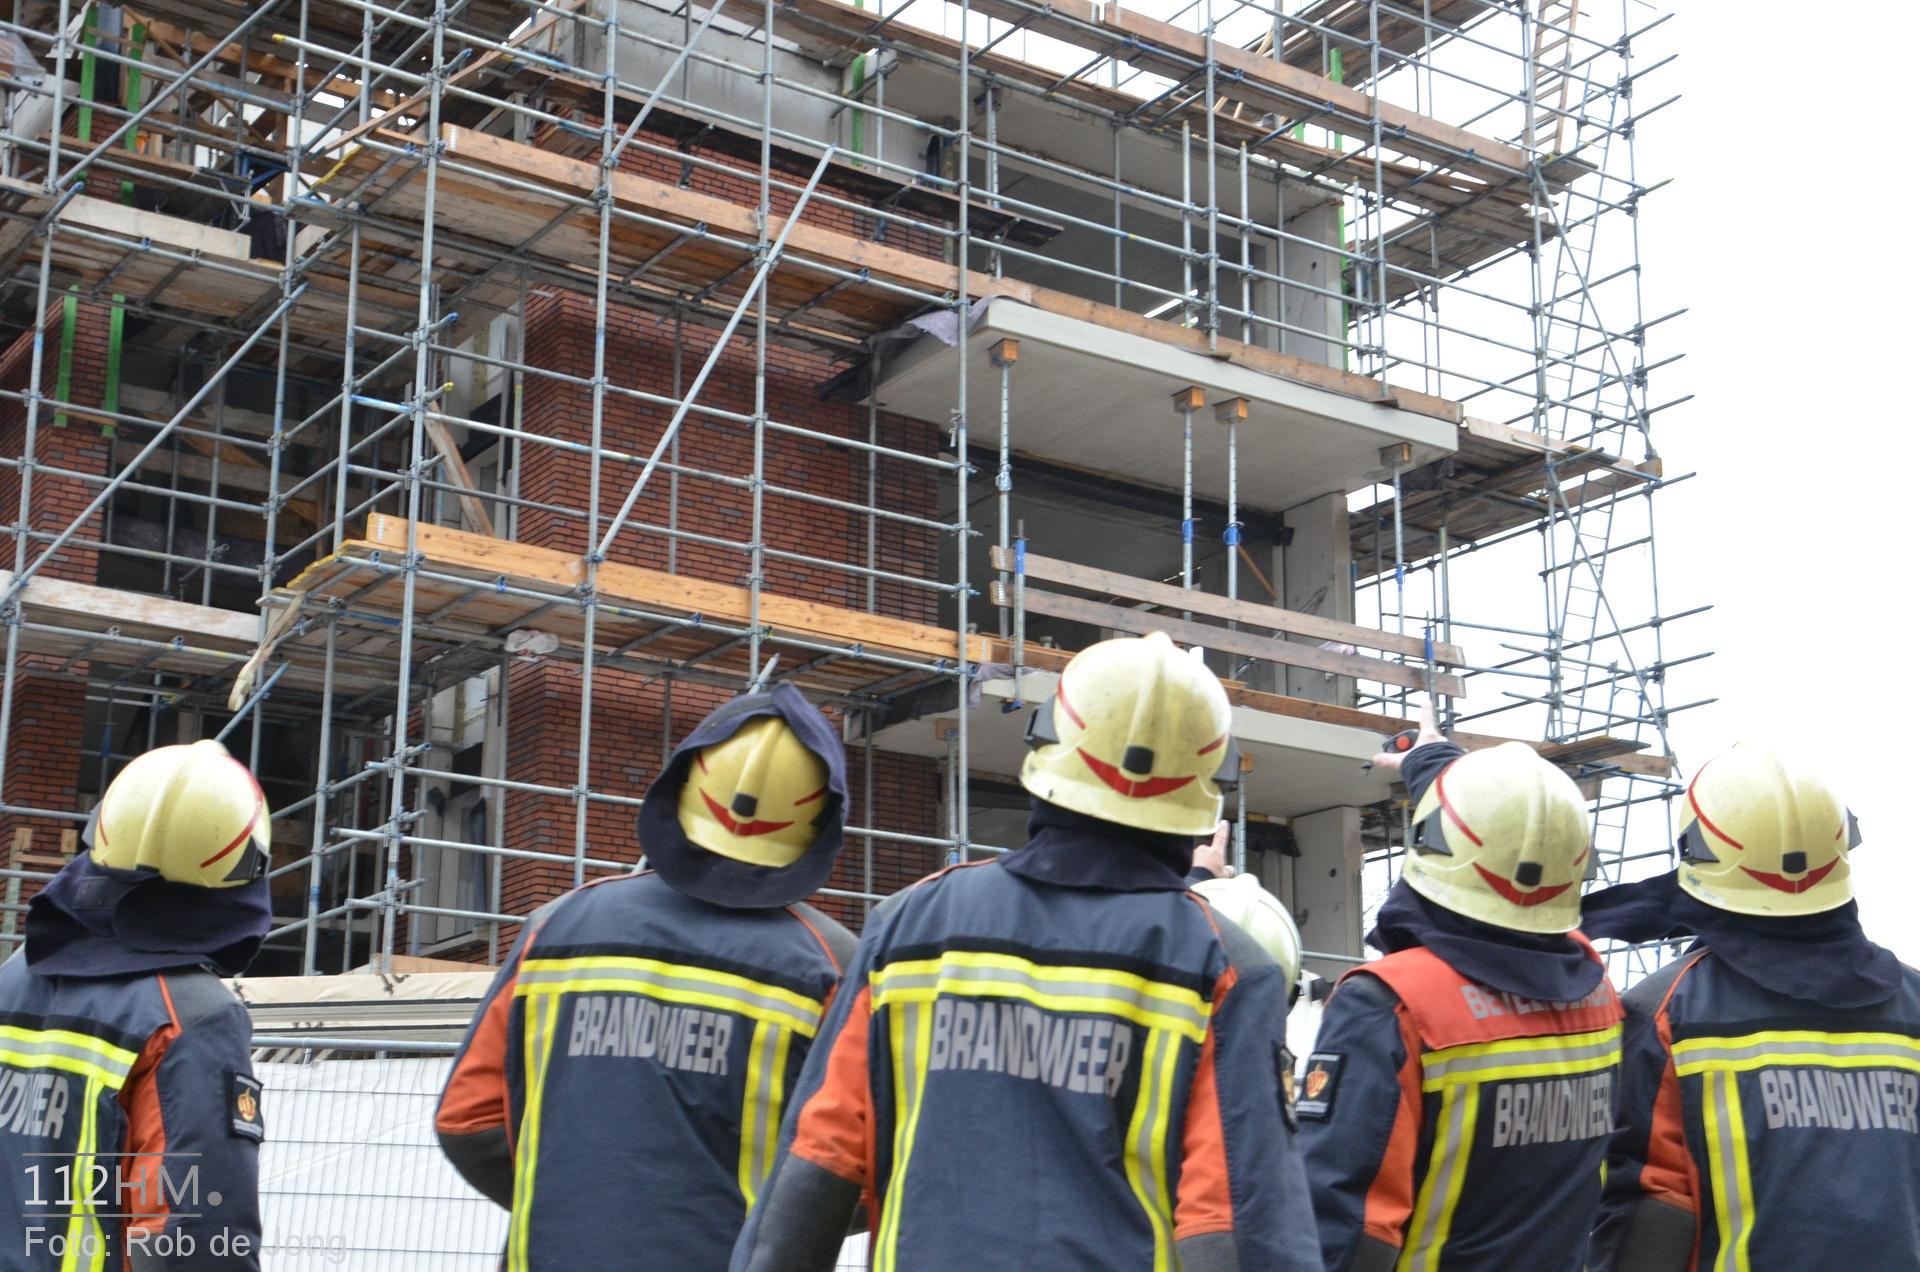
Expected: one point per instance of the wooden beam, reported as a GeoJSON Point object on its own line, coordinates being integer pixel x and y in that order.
{"type": "Point", "coordinates": [1249, 644]}
{"type": "Point", "coordinates": [657, 589]}
{"type": "Point", "coordinates": [472, 504]}
{"type": "Point", "coordinates": [1290, 91]}
{"type": "Point", "coordinates": [169, 231]}
{"type": "Point", "coordinates": [1167, 596]}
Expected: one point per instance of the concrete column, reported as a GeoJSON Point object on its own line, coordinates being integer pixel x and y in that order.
{"type": "Point", "coordinates": [1316, 577]}
{"type": "Point", "coordinates": [1306, 310]}
{"type": "Point", "coordinates": [1325, 896]}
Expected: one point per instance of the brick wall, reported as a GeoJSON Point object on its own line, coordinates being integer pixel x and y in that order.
{"type": "Point", "coordinates": [48, 724]}
{"type": "Point", "coordinates": [628, 746]}
{"type": "Point", "coordinates": [629, 712]}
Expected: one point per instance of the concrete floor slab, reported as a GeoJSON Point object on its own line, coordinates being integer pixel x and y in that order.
{"type": "Point", "coordinates": [1090, 397]}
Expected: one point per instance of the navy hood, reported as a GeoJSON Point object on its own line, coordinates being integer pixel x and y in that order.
{"type": "Point", "coordinates": [1822, 958]}
{"type": "Point", "coordinates": [1554, 969]}
{"type": "Point", "coordinates": [94, 921]}
{"type": "Point", "coordinates": [708, 876]}
{"type": "Point", "coordinates": [1073, 850]}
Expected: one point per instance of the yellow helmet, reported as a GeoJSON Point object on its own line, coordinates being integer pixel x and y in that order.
{"type": "Point", "coordinates": [754, 796]}
{"type": "Point", "coordinates": [191, 813]}
{"type": "Point", "coordinates": [1762, 835]}
{"type": "Point", "coordinates": [1501, 836]}
{"type": "Point", "coordinates": [1137, 733]}
{"type": "Point", "coordinates": [1261, 916]}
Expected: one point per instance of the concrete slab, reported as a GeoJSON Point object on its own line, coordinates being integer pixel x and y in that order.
{"type": "Point", "coordinates": [1299, 766]}
{"type": "Point", "coordinates": [1094, 398]}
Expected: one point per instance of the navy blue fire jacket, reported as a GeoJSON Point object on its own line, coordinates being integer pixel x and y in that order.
{"type": "Point", "coordinates": [621, 1089]}
{"type": "Point", "coordinates": [1762, 1132]}
{"type": "Point", "coordinates": [130, 1124]}
{"type": "Point", "coordinates": [1025, 1074]}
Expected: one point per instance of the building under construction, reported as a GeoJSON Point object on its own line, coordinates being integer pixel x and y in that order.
{"type": "Point", "coordinates": [450, 401]}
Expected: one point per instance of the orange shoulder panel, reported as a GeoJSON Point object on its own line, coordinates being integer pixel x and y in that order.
{"type": "Point", "coordinates": [835, 1129]}
{"type": "Point", "coordinates": [1669, 1172]}
{"type": "Point", "coordinates": [476, 1095]}
{"type": "Point", "coordinates": [1390, 1196]}
{"type": "Point", "coordinates": [1204, 1202]}
{"type": "Point", "coordinates": [142, 1196]}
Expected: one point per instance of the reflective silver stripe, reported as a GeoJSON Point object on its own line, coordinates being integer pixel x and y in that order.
{"type": "Point", "coordinates": [1702, 1052]}
{"type": "Point", "coordinates": [689, 983]}
{"type": "Point", "coordinates": [1440, 1065]}
{"type": "Point", "coordinates": [1433, 1214]}
{"type": "Point", "coordinates": [24, 1046]}
{"type": "Point", "coordinates": [1178, 1006]}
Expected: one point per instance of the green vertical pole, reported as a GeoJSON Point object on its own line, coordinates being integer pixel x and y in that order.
{"type": "Point", "coordinates": [857, 80]}
{"type": "Point", "coordinates": [110, 393]}
{"type": "Point", "coordinates": [89, 67]}
{"type": "Point", "coordinates": [63, 382]}
{"type": "Point", "coordinates": [138, 52]}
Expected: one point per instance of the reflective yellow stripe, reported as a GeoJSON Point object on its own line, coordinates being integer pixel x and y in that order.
{"type": "Point", "coordinates": [1146, 1149]}
{"type": "Point", "coordinates": [1083, 990]}
{"type": "Point", "coordinates": [540, 1015]}
{"type": "Point", "coordinates": [760, 1111]}
{"type": "Point", "coordinates": [1742, 1175]}
{"type": "Point", "coordinates": [67, 1051]}
{"type": "Point", "coordinates": [910, 1030]}
{"type": "Point", "coordinates": [1433, 1211]}
{"type": "Point", "coordinates": [1767, 1048]}
{"type": "Point", "coordinates": [671, 982]}
{"type": "Point", "coordinates": [84, 1238]}
{"type": "Point", "coordinates": [1719, 1150]}
{"type": "Point", "coordinates": [1162, 1122]}
{"type": "Point", "coordinates": [104, 1067]}
{"type": "Point", "coordinates": [1550, 1056]}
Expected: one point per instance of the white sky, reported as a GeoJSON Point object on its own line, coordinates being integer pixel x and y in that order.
{"type": "Point", "coordinates": [1797, 345]}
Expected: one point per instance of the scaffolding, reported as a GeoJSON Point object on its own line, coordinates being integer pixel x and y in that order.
{"type": "Point", "coordinates": [329, 240]}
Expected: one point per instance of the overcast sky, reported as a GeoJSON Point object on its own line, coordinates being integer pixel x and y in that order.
{"type": "Point", "coordinates": [1800, 344]}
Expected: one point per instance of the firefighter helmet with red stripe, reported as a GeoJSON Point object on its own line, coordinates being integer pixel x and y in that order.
{"type": "Point", "coordinates": [1138, 734]}
{"type": "Point", "coordinates": [191, 813]}
{"type": "Point", "coordinates": [755, 796]}
{"type": "Point", "coordinates": [1762, 834]}
{"type": "Point", "coordinates": [1501, 836]}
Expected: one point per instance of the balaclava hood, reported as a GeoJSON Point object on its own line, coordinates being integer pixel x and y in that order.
{"type": "Point", "coordinates": [708, 876]}
{"type": "Point", "coordinates": [94, 921]}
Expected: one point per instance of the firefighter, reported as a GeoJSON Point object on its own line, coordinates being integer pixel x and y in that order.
{"type": "Point", "coordinates": [621, 1087]}
{"type": "Point", "coordinates": [1456, 1106]}
{"type": "Point", "coordinates": [1772, 1077]}
{"type": "Point", "coordinates": [1241, 900]}
{"type": "Point", "coordinates": [1058, 1058]}
{"type": "Point", "coordinates": [130, 1120]}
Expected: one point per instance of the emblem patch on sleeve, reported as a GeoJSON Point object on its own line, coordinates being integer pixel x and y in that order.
{"type": "Point", "coordinates": [245, 1107]}
{"type": "Point", "coordinates": [1318, 1086]}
